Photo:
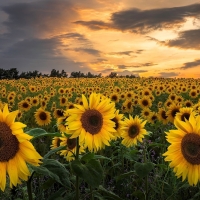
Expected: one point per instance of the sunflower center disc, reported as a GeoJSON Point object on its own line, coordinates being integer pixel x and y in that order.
{"type": "Point", "coordinates": [43, 116]}
{"type": "Point", "coordinates": [133, 131]}
{"type": "Point", "coordinates": [71, 143]}
{"type": "Point", "coordinates": [92, 121]}
{"type": "Point", "coordinates": [190, 147]}
{"type": "Point", "coordinates": [185, 116]}
{"type": "Point", "coordinates": [9, 145]}
{"type": "Point", "coordinates": [116, 123]}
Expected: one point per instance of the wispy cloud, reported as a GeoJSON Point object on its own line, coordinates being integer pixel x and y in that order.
{"type": "Point", "coordinates": [189, 65]}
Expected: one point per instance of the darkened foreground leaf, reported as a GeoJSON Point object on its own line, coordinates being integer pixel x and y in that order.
{"type": "Point", "coordinates": [54, 170]}
{"type": "Point", "coordinates": [52, 151]}
{"type": "Point", "coordinates": [108, 195]}
{"type": "Point", "coordinates": [39, 132]}
{"type": "Point", "coordinates": [91, 171]}
{"type": "Point", "coordinates": [143, 169]}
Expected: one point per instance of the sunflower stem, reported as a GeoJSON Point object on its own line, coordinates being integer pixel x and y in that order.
{"type": "Point", "coordinates": [77, 177]}
{"type": "Point", "coordinates": [91, 193]}
{"type": "Point", "coordinates": [29, 187]}
{"type": "Point", "coordinates": [146, 178]}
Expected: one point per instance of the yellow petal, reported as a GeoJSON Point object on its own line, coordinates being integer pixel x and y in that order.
{"type": "Point", "coordinates": [12, 172]}
{"type": "Point", "coordinates": [11, 117]}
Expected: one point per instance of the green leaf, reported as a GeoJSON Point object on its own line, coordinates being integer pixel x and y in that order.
{"type": "Point", "coordinates": [101, 157]}
{"type": "Point", "coordinates": [58, 195]}
{"type": "Point", "coordinates": [52, 151]}
{"type": "Point", "coordinates": [54, 170]}
{"type": "Point", "coordinates": [125, 175]}
{"type": "Point", "coordinates": [143, 169]}
{"type": "Point", "coordinates": [87, 157]}
{"type": "Point", "coordinates": [91, 172]}
{"type": "Point", "coordinates": [39, 132]}
{"type": "Point", "coordinates": [140, 195]}
{"type": "Point", "coordinates": [108, 194]}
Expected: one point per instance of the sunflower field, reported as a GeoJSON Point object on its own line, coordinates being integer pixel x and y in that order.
{"type": "Point", "coordinates": [100, 139]}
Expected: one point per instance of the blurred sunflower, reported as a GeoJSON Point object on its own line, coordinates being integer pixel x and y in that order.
{"type": "Point", "coordinates": [184, 150]}
{"type": "Point", "coordinates": [193, 93]}
{"type": "Point", "coordinates": [184, 113]}
{"type": "Point", "coordinates": [114, 97]}
{"type": "Point", "coordinates": [128, 104]}
{"type": "Point", "coordinates": [70, 151]}
{"type": "Point", "coordinates": [42, 117]}
{"type": "Point", "coordinates": [58, 113]}
{"type": "Point", "coordinates": [145, 113]}
{"type": "Point", "coordinates": [92, 122]}
{"type": "Point", "coordinates": [63, 101]}
{"type": "Point", "coordinates": [55, 142]}
{"type": "Point", "coordinates": [188, 103]}
{"type": "Point", "coordinates": [162, 116]}
{"type": "Point", "coordinates": [118, 119]}
{"type": "Point", "coordinates": [24, 105]}
{"type": "Point", "coordinates": [15, 150]}
{"type": "Point", "coordinates": [34, 101]}
{"type": "Point", "coordinates": [145, 102]}
{"type": "Point", "coordinates": [172, 111]}
{"type": "Point", "coordinates": [133, 131]}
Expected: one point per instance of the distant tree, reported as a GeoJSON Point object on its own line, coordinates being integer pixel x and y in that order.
{"type": "Point", "coordinates": [112, 75]}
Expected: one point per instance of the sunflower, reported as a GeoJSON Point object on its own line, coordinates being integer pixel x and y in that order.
{"type": "Point", "coordinates": [193, 93]}
{"type": "Point", "coordinates": [153, 117]}
{"type": "Point", "coordinates": [162, 116]}
{"type": "Point", "coordinates": [184, 113]}
{"type": "Point", "coordinates": [133, 131]}
{"type": "Point", "coordinates": [145, 102]}
{"type": "Point", "coordinates": [24, 105]}
{"type": "Point", "coordinates": [172, 111]}
{"type": "Point", "coordinates": [15, 150]}
{"type": "Point", "coordinates": [184, 150]}
{"type": "Point", "coordinates": [55, 142]}
{"type": "Point", "coordinates": [58, 113]}
{"type": "Point", "coordinates": [188, 103]}
{"type": "Point", "coordinates": [34, 101]}
{"type": "Point", "coordinates": [118, 119]}
{"type": "Point", "coordinates": [70, 151]}
{"type": "Point", "coordinates": [92, 122]}
{"type": "Point", "coordinates": [42, 117]}
{"type": "Point", "coordinates": [128, 104]}
{"type": "Point", "coordinates": [145, 113]}
{"type": "Point", "coordinates": [61, 123]}
{"type": "Point", "coordinates": [114, 97]}
{"type": "Point", "coordinates": [63, 101]}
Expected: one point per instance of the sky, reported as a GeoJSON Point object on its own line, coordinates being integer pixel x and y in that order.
{"type": "Point", "coordinates": [157, 38]}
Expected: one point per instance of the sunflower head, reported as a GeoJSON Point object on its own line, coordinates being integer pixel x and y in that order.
{"type": "Point", "coordinates": [15, 150]}
{"type": "Point", "coordinates": [92, 121]}
{"type": "Point", "coordinates": [183, 152]}
{"type": "Point", "coordinates": [133, 131]}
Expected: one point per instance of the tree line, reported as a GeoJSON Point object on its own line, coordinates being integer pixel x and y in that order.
{"type": "Point", "coordinates": [13, 73]}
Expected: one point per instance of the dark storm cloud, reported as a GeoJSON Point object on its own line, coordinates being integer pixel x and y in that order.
{"type": "Point", "coordinates": [187, 40]}
{"type": "Point", "coordinates": [189, 65]}
{"type": "Point", "coordinates": [144, 21]}
{"type": "Point", "coordinates": [168, 74]}
{"type": "Point", "coordinates": [38, 54]}
{"type": "Point", "coordinates": [41, 17]}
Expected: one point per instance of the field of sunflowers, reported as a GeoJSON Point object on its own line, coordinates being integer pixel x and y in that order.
{"type": "Point", "coordinates": [100, 139]}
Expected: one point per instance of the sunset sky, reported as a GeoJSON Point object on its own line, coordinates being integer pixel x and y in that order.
{"type": "Point", "coordinates": [147, 38]}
